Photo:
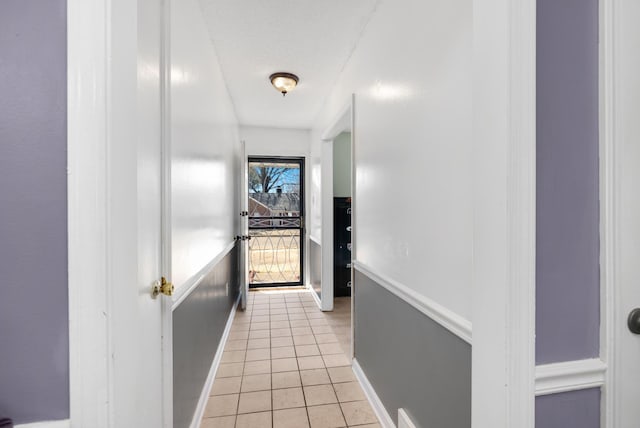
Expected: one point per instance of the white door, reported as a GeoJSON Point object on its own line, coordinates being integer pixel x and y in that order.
{"type": "Point", "coordinates": [626, 170]}
{"type": "Point", "coordinates": [153, 395]}
{"type": "Point", "coordinates": [244, 225]}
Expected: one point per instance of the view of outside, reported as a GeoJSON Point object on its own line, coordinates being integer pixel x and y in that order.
{"type": "Point", "coordinates": [274, 222]}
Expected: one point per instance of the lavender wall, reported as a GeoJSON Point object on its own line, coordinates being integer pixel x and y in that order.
{"type": "Point", "coordinates": [568, 286]}
{"type": "Point", "coordinates": [34, 341]}
{"type": "Point", "coordinates": [578, 409]}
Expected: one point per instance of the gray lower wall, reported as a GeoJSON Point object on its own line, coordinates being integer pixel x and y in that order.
{"type": "Point", "coordinates": [315, 266]}
{"type": "Point", "coordinates": [198, 325]}
{"type": "Point", "coordinates": [411, 361]}
{"type": "Point", "coordinates": [34, 326]}
{"type": "Point", "coordinates": [578, 409]}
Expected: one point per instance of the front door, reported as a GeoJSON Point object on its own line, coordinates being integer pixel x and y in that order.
{"type": "Point", "coordinates": [276, 221]}
{"type": "Point", "coordinates": [624, 167]}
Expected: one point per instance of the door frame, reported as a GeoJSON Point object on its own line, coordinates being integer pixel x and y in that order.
{"type": "Point", "coordinates": [613, 319]}
{"type": "Point", "coordinates": [504, 248]}
{"type": "Point", "coordinates": [344, 121]}
{"type": "Point", "coordinates": [94, 186]}
{"type": "Point", "coordinates": [301, 160]}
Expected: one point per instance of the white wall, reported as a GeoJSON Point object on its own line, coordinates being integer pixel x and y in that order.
{"type": "Point", "coordinates": [411, 73]}
{"type": "Point", "coordinates": [263, 141]}
{"type": "Point", "coordinates": [205, 144]}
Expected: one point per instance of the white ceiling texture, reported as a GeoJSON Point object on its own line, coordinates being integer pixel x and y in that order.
{"type": "Point", "coordinates": [310, 38]}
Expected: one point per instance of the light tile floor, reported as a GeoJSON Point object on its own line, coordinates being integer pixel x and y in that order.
{"type": "Point", "coordinates": [286, 365]}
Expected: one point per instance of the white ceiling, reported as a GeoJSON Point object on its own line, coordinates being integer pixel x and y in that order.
{"type": "Point", "coordinates": [311, 38]}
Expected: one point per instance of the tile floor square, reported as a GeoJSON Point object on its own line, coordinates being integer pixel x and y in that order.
{"type": "Point", "coordinates": [283, 352]}
{"type": "Point", "coordinates": [221, 405]}
{"type": "Point", "coordinates": [251, 402]}
{"type": "Point", "coordinates": [284, 365]}
{"type": "Point", "coordinates": [349, 391]}
{"type": "Point", "coordinates": [291, 418]}
{"type": "Point", "coordinates": [319, 394]}
{"type": "Point", "coordinates": [315, 377]}
{"type": "Point", "coordinates": [285, 380]}
{"type": "Point", "coordinates": [221, 422]}
{"type": "Point", "coordinates": [277, 342]}
{"type": "Point", "coordinates": [358, 413]}
{"type": "Point", "coordinates": [259, 382]}
{"type": "Point", "coordinates": [327, 416]}
{"type": "Point", "coordinates": [257, 367]}
{"type": "Point", "coordinates": [307, 350]}
{"type": "Point", "coordinates": [226, 385]}
{"type": "Point", "coordinates": [314, 362]}
{"type": "Point", "coordinates": [258, 354]}
{"type": "Point", "coordinates": [254, 420]}
{"type": "Point", "coordinates": [341, 374]}
{"type": "Point", "coordinates": [287, 398]}
{"type": "Point", "coordinates": [229, 370]}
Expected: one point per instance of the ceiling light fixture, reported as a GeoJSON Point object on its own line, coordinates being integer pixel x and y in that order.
{"type": "Point", "coordinates": [284, 82]}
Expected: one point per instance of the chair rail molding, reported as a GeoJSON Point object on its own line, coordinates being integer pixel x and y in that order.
{"type": "Point", "coordinates": [570, 376]}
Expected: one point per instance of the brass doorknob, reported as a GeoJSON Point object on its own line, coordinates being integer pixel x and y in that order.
{"type": "Point", "coordinates": [162, 287]}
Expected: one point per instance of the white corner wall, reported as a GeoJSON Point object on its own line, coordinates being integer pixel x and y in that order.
{"type": "Point", "coordinates": [412, 78]}
{"type": "Point", "coordinates": [205, 146]}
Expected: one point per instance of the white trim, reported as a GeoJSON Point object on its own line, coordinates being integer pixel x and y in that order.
{"type": "Point", "coordinates": [90, 381]}
{"type": "Point", "coordinates": [504, 246]}
{"type": "Point", "coordinates": [315, 239]}
{"type": "Point", "coordinates": [184, 290]}
{"type": "Point", "coordinates": [326, 192]}
{"type": "Point", "coordinates": [206, 390]}
{"type": "Point", "coordinates": [608, 201]}
{"type": "Point", "coordinates": [381, 412]}
{"type": "Point", "coordinates": [404, 421]}
{"type": "Point", "coordinates": [453, 322]}
{"type": "Point", "coordinates": [315, 296]}
{"type": "Point", "coordinates": [66, 423]}
{"type": "Point", "coordinates": [570, 376]}
{"type": "Point", "coordinates": [166, 236]}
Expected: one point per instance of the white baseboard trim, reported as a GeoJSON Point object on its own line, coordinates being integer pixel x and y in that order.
{"type": "Point", "coordinates": [404, 421]}
{"type": "Point", "coordinates": [315, 297]}
{"type": "Point", "coordinates": [570, 376]}
{"type": "Point", "coordinates": [453, 322]}
{"type": "Point", "coordinates": [374, 400]}
{"type": "Point", "coordinates": [206, 390]}
{"type": "Point", "coordinates": [66, 423]}
{"type": "Point", "coordinates": [183, 291]}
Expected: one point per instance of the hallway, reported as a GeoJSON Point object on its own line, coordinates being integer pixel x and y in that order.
{"type": "Point", "coordinates": [286, 365]}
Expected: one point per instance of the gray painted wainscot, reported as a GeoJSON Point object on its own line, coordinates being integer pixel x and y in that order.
{"type": "Point", "coordinates": [198, 326]}
{"type": "Point", "coordinates": [568, 247]}
{"type": "Point", "coordinates": [411, 361]}
{"type": "Point", "coordinates": [34, 327]}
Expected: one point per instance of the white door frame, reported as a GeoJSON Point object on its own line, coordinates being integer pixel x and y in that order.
{"type": "Point", "coordinates": [343, 122]}
{"type": "Point", "coordinates": [92, 175]}
{"type": "Point", "coordinates": [613, 136]}
{"type": "Point", "coordinates": [504, 97]}
{"type": "Point", "coordinates": [89, 299]}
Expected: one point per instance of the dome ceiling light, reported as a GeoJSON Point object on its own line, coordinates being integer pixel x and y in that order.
{"type": "Point", "coordinates": [284, 82]}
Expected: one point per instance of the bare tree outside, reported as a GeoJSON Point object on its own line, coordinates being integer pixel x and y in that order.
{"type": "Point", "coordinates": [263, 179]}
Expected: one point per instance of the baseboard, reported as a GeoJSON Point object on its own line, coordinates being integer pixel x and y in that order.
{"type": "Point", "coordinates": [206, 390]}
{"type": "Point", "coordinates": [381, 412]}
{"type": "Point", "coordinates": [315, 297]}
{"type": "Point", "coordinates": [404, 421]}
{"type": "Point", "coordinates": [66, 423]}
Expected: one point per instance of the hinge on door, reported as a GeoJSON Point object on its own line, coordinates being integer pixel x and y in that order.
{"type": "Point", "coordinates": [244, 213]}
{"type": "Point", "coordinates": [162, 286]}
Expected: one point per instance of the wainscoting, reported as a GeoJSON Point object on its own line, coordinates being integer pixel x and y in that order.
{"type": "Point", "coordinates": [198, 326]}
{"type": "Point", "coordinates": [411, 361]}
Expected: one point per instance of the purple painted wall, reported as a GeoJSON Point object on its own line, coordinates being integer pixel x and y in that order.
{"type": "Point", "coordinates": [34, 339]}
{"type": "Point", "coordinates": [578, 409]}
{"type": "Point", "coordinates": [568, 284]}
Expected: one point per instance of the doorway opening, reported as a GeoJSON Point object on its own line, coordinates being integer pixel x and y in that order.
{"type": "Point", "coordinates": [276, 221]}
